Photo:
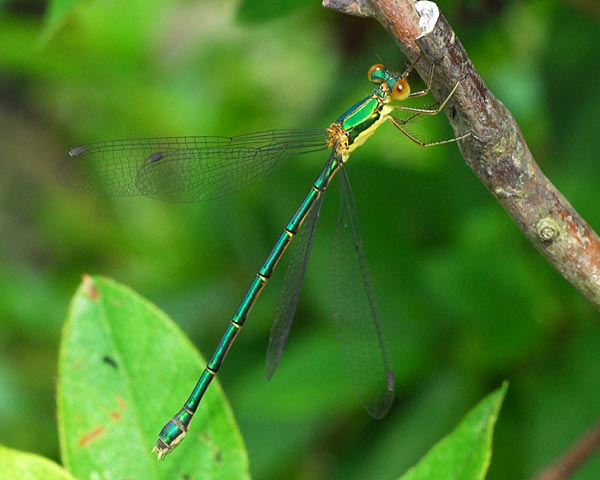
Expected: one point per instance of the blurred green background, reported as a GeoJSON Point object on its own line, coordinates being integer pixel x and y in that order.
{"type": "Point", "coordinates": [467, 301]}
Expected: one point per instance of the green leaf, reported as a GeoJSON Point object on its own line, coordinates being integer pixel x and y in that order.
{"type": "Point", "coordinates": [464, 454]}
{"type": "Point", "coordinates": [251, 11]}
{"type": "Point", "coordinates": [27, 466]}
{"type": "Point", "coordinates": [124, 370]}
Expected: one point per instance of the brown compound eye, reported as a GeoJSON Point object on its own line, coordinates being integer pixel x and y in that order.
{"type": "Point", "coordinates": [400, 90]}
{"type": "Point", "coordinates": [376, 74]}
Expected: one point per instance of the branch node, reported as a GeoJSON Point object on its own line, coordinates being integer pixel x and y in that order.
{"type": "Point", "coordinates": [547, 230]}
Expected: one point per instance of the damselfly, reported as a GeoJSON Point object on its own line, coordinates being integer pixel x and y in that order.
{"type": "Point", "coordinates": [185, 169]}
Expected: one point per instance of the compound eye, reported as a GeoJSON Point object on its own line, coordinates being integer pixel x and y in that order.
{"type": "Point", "coordinates": [377, 74]}
{"type": "Point", "coordinates": [400, 90]}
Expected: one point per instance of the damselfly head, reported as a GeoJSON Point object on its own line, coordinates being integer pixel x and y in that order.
{"type": "Point", "coordinates": [394, 87]}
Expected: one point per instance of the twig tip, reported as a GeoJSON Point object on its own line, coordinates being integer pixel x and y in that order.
{"type": "Point", "coordinates": [429, 14]}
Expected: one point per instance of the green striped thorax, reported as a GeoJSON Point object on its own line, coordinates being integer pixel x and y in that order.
{"type": "Point", "coordinates": [358, 123]}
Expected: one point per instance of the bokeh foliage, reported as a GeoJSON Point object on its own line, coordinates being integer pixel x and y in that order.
{"type": "Point", "coordinates": [467, 301]}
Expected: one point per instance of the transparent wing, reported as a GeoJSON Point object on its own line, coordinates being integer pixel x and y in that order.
{"type": "Point", "coordinates": [292, 283]}
{"type": "Point", "coordinates": [183, 169]}
{"type": "Point", "coordinates": [290, 292]}
{"type": "Point", "coordinates": [356, 312]}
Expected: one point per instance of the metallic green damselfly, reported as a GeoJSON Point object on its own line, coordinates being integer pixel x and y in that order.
{"type": "Point", "coordinates": [185, 169]}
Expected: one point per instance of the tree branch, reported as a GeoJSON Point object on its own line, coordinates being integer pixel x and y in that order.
{"type": "Point", "coordinates": [496, 150]}
{"type": "Point", "coordinates": [583, 449]}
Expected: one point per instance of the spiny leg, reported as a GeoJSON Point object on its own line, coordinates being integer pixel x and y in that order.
{"type": "Point", "coordinates": [411, 67]}
{"type": "Point", "coordinates": [404, 121]}
{"type": "Point", "coordinates": [427, 111]}
{"type": "Point", "coordinates": [399, 123]}
{"type": "Point", "coordinates": [422, 93]}
{"type": "Point", "coordinates": [427, 89]}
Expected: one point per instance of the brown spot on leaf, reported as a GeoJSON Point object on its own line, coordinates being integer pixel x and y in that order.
{"type": "Point", "coordinates": [90, 437]}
